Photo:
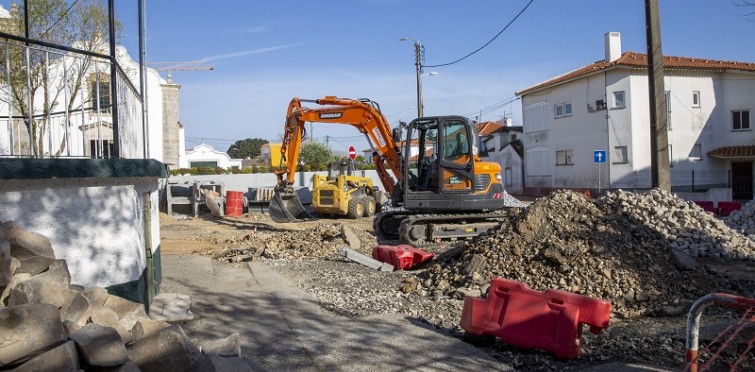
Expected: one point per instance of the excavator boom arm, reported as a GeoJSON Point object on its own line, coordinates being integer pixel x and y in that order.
{"type": "Point", "coordinates": [360, 114]}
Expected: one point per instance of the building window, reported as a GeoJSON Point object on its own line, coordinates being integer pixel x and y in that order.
{"type": "Point", "coordinates": [564, 157]}
{"type": "Point", "coordinates": [513, 137]}
{"type": "Point", "coordinates": [671, 155]}
{"type": "Point", "coordinates": [99, 88]}
{"type": "Point", "coordinates": [507, 175]}
{"type": "Point", "coordinates": [539, 163]}
{"type": "Point", "coordinates": [696, 98]}
{"type": "Point", "coordinates": [100, 149]}
{"type": "Point", "coordinates": [535, 117]}
{"type": "Point", "coordinates": [208, 164]}
{"type": "Point", "coordinates": [697, 152]}
{"type": "Point", "coordinates": [740, 119]}
{"type": "Point", "coordinates": [563, 109]}
{"type": "Point", "coordinates": [620, 155]}
{"type": "Point", "coordinates": [619, 100]}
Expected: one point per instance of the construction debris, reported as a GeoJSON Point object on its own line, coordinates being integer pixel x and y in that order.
{"type": "Point", "coordinates": [622, 247]}
{"type": "Point", "coordinates": [47, 323]}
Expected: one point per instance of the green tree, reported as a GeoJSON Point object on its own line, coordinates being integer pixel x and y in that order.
{"type": "Point", "coordinates": [315, 153]}
{"type": "Point", "coordinates": [248, 148]}
{"type": "Point", "coordinates": [48, 82]}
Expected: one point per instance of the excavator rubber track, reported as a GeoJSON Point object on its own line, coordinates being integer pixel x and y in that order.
{"type": "Point", "coordinates": [425, 230]}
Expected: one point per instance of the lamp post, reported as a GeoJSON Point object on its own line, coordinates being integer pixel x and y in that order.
{"type": "Point", "coordinates": [418, 62]}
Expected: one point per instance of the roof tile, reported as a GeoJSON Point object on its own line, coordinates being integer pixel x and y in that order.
{"type": "Point", "coordinates": [638, 60]}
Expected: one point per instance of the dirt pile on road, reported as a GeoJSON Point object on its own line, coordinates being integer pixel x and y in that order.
{"type": "Point", "coordinates": [624, 247]}
{"type": "Point", "coordinates": [312, 241]}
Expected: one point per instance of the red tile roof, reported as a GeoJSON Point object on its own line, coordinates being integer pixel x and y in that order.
{"type": "Point", "coordinates": [733, 152]}
{"type": "Point", "coordinates": [488, 127]}
{"type": "Point", "coordinates": [637, 60]}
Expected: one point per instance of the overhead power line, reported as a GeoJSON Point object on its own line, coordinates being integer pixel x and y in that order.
{"type": "Point", "coordinates": [486, 44]}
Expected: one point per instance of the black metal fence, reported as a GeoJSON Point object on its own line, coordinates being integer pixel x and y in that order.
{"type": "Point", "coordinates": [697, 180]}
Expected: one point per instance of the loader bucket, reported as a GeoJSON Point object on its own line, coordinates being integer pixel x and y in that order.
{"type": "Point", "coordinates": [285, 206]}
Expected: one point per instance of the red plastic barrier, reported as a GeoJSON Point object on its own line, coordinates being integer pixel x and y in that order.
{"type": "Point", "coordinates": [726, 207]}
{"type": "Point", "coordinates": [402, 257]}
{"type": "Point", "coordinates": [522, 317]}
{"type": "Point", "coordinates": [707, 205]}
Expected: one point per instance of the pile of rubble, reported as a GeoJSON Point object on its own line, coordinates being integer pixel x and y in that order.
{"type": "Point", "coordinates": [318, 241]}
{"type": "Point", "coordinates": [684, 224]}
{"type": "Point", "coordinates": [631, 249]}
{"type": "Point", "coordinates": [49, 324]}
{"type": "Point", "coordinates": [743, 220]}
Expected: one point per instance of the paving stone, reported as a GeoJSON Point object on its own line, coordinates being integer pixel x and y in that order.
{"type": "Point", "coordinates": [96, 295]}
{"type": "Point", "coordinates": [168, 350]}
{"type": "Point", "coordinates": [15, 280]}
{"type": "Point", "coordinates": [63, 358]}
{"type": "Point", "coordinates": [351, 238]}
{"type": "Point", "coordinates": [128, 312]}
{"type": "Point", "coordinates": [228, 346]}
{"type": "Point", "coordinates": [108, 318]}
{"type": "Point", "coordinates": [40, 289]}
{"type": "Point", "coordinates": [100, 346]}
{"type": "Point", "coordinates": [33, 250]}
{"type": "Point", "coordinates": [147, 327]}
{"type": "Point", "coordinates": [25, 242]}
{"type": "Point", "coordinates": [77, 307]}
{"type": "Point", "coordinates": [27, 330]}
{"type": "Point", "coordinates": [171, 307]}
{"type": "Point", "coordinates": [6, 270]}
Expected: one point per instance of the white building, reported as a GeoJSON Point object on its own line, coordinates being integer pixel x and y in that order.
{"type": "Point", "coordinates": [204, 155]}
{"type": "Point", "coordinates": [604, 106]}
{"type": "Point", "coordinates": [503, 145]}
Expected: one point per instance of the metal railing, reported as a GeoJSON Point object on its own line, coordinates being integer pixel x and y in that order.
{"type": "Point", "coordinates": [692, 180]}
{"type": "Point", "coordinates": [57, 103]}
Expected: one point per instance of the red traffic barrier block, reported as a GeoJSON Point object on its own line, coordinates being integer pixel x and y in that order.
{"type": "Point", "coordinates": [726, 207]}
{"type": "Point", "coordinates": [707, 206]}
{"type": "Point", "coordinates": [402, 256]}
{"type": "Point", "coordinates": [530, 319]}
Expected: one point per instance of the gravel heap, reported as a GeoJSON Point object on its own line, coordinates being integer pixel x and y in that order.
{"type": "Point", "coordinates": [743, 220]}
{"type": "Point", "coordinates": [617, 248]}
{"type": "Point", "coordinates": [686, 226]}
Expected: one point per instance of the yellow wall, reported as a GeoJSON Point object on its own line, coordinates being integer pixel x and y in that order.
{"type": "Point", "coordinates": [271, 152]}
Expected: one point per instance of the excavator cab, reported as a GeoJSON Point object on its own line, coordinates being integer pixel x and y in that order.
{"type": "Point", "coordinates": [445, 174]}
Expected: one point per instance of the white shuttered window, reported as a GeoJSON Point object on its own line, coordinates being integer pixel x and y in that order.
{"type": "Point", "coordinates": [535, 117]}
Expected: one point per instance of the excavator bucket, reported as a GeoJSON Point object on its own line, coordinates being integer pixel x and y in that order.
{"type": "Point", "coordinates": [285, 206]}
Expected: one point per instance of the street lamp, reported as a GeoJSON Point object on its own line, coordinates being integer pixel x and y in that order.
{"type": "Point", "coordinates": [418, 62]}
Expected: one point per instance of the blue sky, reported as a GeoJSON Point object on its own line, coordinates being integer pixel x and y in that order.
{"type": "Point", "coordinates": [266, 52]}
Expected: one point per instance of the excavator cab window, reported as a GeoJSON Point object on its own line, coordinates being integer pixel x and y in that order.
{"type": "Point", "coordinates": [422, 165]}
{"type": "Point", "coordinates": [455, 141]}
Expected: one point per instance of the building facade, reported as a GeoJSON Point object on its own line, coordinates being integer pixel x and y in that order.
{"type": "Point", "coordinates": [571, 121]}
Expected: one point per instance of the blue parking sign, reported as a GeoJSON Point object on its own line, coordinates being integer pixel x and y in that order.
{"type": "Point", "coordinates": [599, 156]}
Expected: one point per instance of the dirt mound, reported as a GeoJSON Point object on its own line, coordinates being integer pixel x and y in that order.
{"type": "Point", "coordinates": [624, 247]}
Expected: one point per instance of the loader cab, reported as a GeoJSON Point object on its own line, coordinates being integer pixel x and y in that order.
{"type": "Point", "coordinates": [440, 152]}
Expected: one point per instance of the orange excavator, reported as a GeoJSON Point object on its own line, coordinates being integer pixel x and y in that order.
{"type": "Point", "coordinates": [440, 189]}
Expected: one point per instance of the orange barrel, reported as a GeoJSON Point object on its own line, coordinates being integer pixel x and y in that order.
{"type": "Point", "coordinates": [234, 203]}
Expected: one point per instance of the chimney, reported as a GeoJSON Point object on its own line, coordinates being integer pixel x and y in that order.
{"type": "Point", "coordinates": [613, 46]}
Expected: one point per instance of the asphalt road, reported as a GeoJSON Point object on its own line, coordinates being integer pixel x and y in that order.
{"type": "Point", "coordinates": [282, 328]}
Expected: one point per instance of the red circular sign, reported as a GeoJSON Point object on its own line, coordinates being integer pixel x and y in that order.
{"type": "Point", "coordinates": [352, 153]}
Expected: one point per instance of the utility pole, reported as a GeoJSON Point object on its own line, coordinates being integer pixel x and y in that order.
{"type": "Point", "coordinates": [418, 63]}
{"type": "Point", "coordinates": [659, 156]}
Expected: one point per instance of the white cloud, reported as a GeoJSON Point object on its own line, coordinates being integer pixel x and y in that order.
{"type": "Point", "coordinates": [246, 52]}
